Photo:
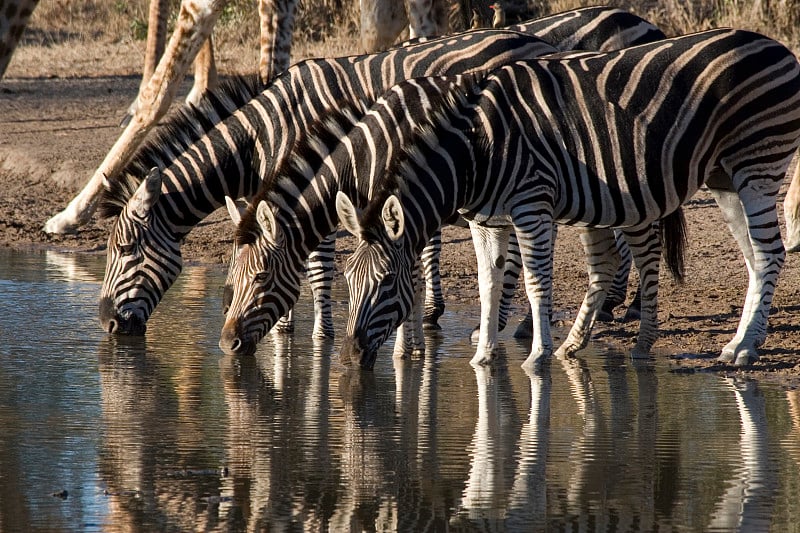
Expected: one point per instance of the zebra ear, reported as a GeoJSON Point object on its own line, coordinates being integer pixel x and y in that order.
{"type": "Point", "coordinates": [393, 218]}
{"type": "Point", "coordinates": [147, 194]}
{"type": "Point", "coordinates": [266, 219]}
{"type": "Point", "coordinates": [348, 213]}
{"type": "Point", "coordinates": [236, 211]}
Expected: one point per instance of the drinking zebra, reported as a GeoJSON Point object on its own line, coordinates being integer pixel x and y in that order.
{"type": "Point", "coordinates": [595, 140]}
{"type": "Point", "coordinates": [206, 154]}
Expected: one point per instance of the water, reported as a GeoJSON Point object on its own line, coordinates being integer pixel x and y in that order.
{"type": "Point", "coordinates": [167, 434]}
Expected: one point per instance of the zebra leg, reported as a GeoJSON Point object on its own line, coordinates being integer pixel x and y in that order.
{"type": "Point", "coordinates": [753, 220]}
{"type": "Point", "coordinates": [510, 278]}
{"type": "Point", "coordinates": [619, 287]}
{"type": "Point", "coordinates": [645, 245]}
{"type": "Point", "coordinates": [320, 278]}
{"type": "Point", "coordinates": [490, 248]}
{"type": "Point", "coordinates": [525, 328]}
{"type": "Point", "coordinates": [535, 234]}
{"type": "Point", "coordinates": [602, 259]}
{"type": "Point", "coordinates": [434, 301]}
{"type": "Point", "coordinates": [409, 338]}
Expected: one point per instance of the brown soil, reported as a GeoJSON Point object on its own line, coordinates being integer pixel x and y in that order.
{"type": "Point", "coordinates": [54, 132]}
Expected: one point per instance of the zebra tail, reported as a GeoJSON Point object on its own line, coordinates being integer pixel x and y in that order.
{"type": "Point", "coordinates": [673, 235]}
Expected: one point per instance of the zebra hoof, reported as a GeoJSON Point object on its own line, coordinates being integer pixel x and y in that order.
{"type": "Point", "coordinates": [475, 335]}
{"type": "Point", "coordinates": [605, 316]}
{"type": "Point", "coordinates": [524, 330]}
{"type": "Point", "coordinates": [745, 359]}
{"type": "Point", "coordinates": [535, 362]}
{"type": "Point", "coordinates": [633, 313]}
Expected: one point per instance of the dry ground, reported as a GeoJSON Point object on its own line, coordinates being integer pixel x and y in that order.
{"type": "Point", "coordinates": [58, 119]}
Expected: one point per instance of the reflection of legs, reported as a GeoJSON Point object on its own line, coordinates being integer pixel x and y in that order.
{"type": "Point", "coordinates": [759, 239]}
{"type": "Point", "coordinates": [490, 249]}
{"type": "Point", "coordinates": [434, 301]}
{"type": "Point", "coordinates": [602, 260]}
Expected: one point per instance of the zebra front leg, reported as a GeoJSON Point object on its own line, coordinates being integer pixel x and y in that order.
{"type": "Point", "coordinates": [320, 278]}
{"type": "Point", "coordinates": [513, 268]}
{"type": "Point", "coordinates": [602, 259]}
{"type": "Point", "coordinates": [410, 338]}
{"type": "Point", "coordinates": [490, 248]}
{"type": "Point", "coordinates": [535, 235]}
{"type": "Point", "coordinates": [434, 301]}
{"type": "Point", "coordinates": [763, 265]}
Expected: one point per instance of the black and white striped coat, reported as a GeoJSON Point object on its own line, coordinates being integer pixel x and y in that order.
{"type": "Point", "coordinates": [208, 154]}
{"type": "Point", "coordinates": [598, 140]}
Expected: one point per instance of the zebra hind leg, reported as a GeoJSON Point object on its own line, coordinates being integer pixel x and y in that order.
{"type": "Point", "coordinates": [752, 218]}
{"type": "Point", "coordinates": [619, 288]}
{"type": "Point", "coordinates": [602, 259]}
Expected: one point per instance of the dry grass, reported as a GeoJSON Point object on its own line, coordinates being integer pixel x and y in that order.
{"type": "Point", "coordinates": [97, 37]}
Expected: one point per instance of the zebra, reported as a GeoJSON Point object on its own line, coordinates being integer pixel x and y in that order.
{"type": "Point", "coordinates": [202, 155]}
{"type": "Point", "coordinates": [594, 140]}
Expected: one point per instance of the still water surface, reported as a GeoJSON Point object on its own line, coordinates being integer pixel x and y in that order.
{"type": "Point", "coordinates": [167, 434]}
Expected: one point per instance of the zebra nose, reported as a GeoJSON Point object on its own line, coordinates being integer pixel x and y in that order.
{"type": "Point", "coordinates": [232, 342]}
{"type": "Point", "coordinates": [108, 315]}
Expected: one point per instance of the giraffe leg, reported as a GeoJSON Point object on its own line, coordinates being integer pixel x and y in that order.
{"type": "Point", "coordinates": [10, 33]}
{"type": "Point", "coordinates": [205, 73]}
{"type": "Point", "coordinates": [195, 21]}
{"type": "Point", "coordinates": [277, 23]}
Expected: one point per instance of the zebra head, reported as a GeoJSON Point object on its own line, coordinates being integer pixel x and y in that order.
{"type": "Point", "coordinates": [142, 261]}
{"type": "Point", "coordinates": [265, 282]}
{"type": "Point", "coordinates": [379, 277]}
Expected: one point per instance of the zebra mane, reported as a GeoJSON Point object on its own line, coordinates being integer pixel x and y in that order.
{"type": "Point", "coordinates": [178, 132]}
{"type": "Point", "coordinates": [446, 106]}
{"type": "Point", "coordinates": [305, 159]}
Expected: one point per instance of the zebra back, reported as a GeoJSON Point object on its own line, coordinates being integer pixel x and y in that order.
{"type": "Point", "coordinates": [601, 140]}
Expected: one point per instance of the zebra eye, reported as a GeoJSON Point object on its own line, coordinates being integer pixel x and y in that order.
{"type": "Point", "coordinates": [261, 277]}
{"type": "Point", "coordinates": [389, 277]}
{"type": "Point", "coordinates": [127, 249]}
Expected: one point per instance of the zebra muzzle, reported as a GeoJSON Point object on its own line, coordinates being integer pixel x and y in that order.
{"type": "Point", "coordinates": [353, 352]}
{"type": "Point", "coordinates": [234, 342]}
{"type": "Point", "coordinates": [117, 323]}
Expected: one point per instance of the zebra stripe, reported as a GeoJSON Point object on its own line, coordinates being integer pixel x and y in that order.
{"type": "Point", "coordinates": [599, 141]}
{"type": "Point", "coordinates": [231, 150]}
